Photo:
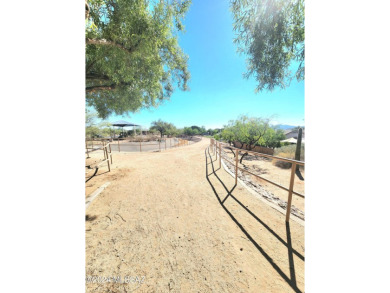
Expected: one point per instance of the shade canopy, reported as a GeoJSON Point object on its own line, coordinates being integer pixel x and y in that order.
{"type": "Point", "coordinates": [123, 123]}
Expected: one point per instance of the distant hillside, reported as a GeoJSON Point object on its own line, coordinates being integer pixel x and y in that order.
{"type": "Point", "coordinates": [284, 126]}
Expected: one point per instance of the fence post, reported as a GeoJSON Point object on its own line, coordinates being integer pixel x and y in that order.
{"type": "Point", "coordinates": [109, 144]}
{"type": "Point", "coordinates": [140, 147]}
{"type": "Point", "coordinates": [159, 145]}
{"type": "Point", "coordinates": [86, 145]}
{"type": "Point", "coordinates": [220, 155]}
{"type": "Point", "coordinates": [290, 190]}
{"type": "Point", "coordinates": [119, 148]}
{"type": "Point", "coordinates": [236, 165]}
{"type": "Point", "coordinates": [165, 143]}
{"type": "Point", "coordinates": [108, 161]}
{"type": "Point", "coordinates": [104, 151]}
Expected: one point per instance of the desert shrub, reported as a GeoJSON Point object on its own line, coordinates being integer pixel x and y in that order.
{"type": "Point", "coordinates": [287, 152]}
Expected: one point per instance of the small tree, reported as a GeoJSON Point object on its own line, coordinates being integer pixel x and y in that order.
{"type": "Point", "coordinates": [172, 130]}
{"type": "Point", "coordinates": [190, 131]}
{"type": "Point", "coordinates": [162, 127]}
{"type": "Point", "coordinates": [247, 131]}
{"type": "Point", "coordinates": [228, 135]}
{"type": "Point", "coordinates": [91, 129]}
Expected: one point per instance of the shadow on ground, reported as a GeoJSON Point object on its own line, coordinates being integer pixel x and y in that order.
{"type": "Point", "coordinates": [89, 218]}
{"type": "Point", "coordinates": [222, 198]}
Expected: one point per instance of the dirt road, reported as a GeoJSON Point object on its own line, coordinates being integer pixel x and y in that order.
{"type": "Point", "coordinates": [162, 222]}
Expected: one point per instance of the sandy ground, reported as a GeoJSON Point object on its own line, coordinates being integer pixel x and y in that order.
{"type": "Point", "coordinates": [171, 221]}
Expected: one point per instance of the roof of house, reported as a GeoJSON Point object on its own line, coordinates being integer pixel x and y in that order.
{"type": "Point", "coordinates": [292, 140]}
{"type": "Point", "coordinates": [293, 131]}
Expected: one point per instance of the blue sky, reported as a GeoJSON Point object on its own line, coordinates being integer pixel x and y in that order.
{"type": "Point", "coordinates": [218, 91]}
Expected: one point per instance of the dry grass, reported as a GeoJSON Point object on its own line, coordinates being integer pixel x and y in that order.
{"type": "Point", "coordinates": [287, 152]}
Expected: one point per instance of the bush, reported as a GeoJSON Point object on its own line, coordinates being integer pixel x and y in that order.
{"type": "Point", "coordinates": [287, 152]}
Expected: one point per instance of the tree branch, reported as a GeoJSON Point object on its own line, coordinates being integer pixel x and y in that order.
{"type": "Point", "coordinates": [90, 65]}
{"type": "Point", "coordinates": [95, 88]}
{"type": "Point", "coordinates": [105, 42]}
{"type": "Point", "coordinates": [96, 76]}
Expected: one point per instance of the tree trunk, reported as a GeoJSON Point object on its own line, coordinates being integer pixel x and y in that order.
{"type": "Point", "coordinates": [243, 157]}
{"type": "Point", "coordinates": [86, 10]}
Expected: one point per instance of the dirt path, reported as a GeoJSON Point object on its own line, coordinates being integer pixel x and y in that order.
{"type": "Point", "coordinates": [163, 218]}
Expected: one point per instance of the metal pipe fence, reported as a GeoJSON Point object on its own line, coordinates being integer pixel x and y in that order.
{"type": "Point", "coordinates": [216, 148]}
{"type": "Point", "coordinates": [150, 146]}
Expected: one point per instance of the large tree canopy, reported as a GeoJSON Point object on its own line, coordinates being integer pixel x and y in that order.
{"type": "Point", "coordinates": [272, 35]}
{"type": "Point", "coordinates": [133, 59]}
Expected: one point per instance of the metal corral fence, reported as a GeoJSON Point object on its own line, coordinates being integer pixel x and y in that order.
{"type": "Point", "coordinates": [140, 145]}
{"type": "Point", "coordinates": [216, 148]}
{"type": "Point", "coordinates": [152, 146]}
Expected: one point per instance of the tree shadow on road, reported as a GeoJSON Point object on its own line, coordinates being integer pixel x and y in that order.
{"type": "Point", "coordinates": [292, 280]}
{"type": "Point", "coordinates": [94, 174]}
{"type": "Point", "coordinates": [89, 218]}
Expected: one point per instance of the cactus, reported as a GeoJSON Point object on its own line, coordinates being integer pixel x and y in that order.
{"type": "Point", "coordinates": [298, 150]}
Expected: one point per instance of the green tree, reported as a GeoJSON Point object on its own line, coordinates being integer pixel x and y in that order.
{"type": "Point", "coordinates": [190, 131]}
{"type": "Point", "coordinates": [106, 129]}
{"type": "Point", "coordinates": [133, 59]}
{"type": "Point", "coordinates": [228, 134]}
{"type": "Point", "coordinates": [162, 127]}
{"type": "Point", "coordinates": [199, 130]}
{"type": "Point", "coordinates": [210, 131]}
{"type": "Point", "coordinates": [91, 129]}
{"type": "Point", "coordinates": [172, 130]}
{"type": "Point", "coordinates": [272, 138]}
{"type": "Point", "coordinates": [249, 131]}
{"type": "Point", "coordinates": [272, 34]}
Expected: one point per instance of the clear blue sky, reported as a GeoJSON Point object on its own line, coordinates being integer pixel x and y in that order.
{"type": "Point", "coordinates": [218, 91]}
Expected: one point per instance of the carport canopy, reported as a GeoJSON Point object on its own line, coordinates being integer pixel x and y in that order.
{"type": "Point", "coordinates": [123, 123]}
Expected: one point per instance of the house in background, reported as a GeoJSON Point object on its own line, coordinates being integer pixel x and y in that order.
{"type": "Point", "coordinates": [292, 136]}
{"type": "Point", "coordinates": [294, 133]}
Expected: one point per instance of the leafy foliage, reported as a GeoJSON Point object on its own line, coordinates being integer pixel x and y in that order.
{"type": "Point", "coordinates": [133, 59]}
{"type": "Point", "coordinates": [190, 131]}
{"type": "Point", "coordinates": [251, 131]}
{"type": "Point", "coordinates": [272, 34]}
{"type": "Point", "coordinates": [94, 130]}
{"type": "Point", "coordinates": [212, 132]}
{"type": "Point", "coordinates": [163, 127]}
{"type": "Point", "coordinates": [273, 137]}
{"type": "Point", "coordinates": [246, 130]}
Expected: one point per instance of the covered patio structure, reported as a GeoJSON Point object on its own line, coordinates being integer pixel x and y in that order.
{"type": "Point", "coordinates": [122, 123]}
